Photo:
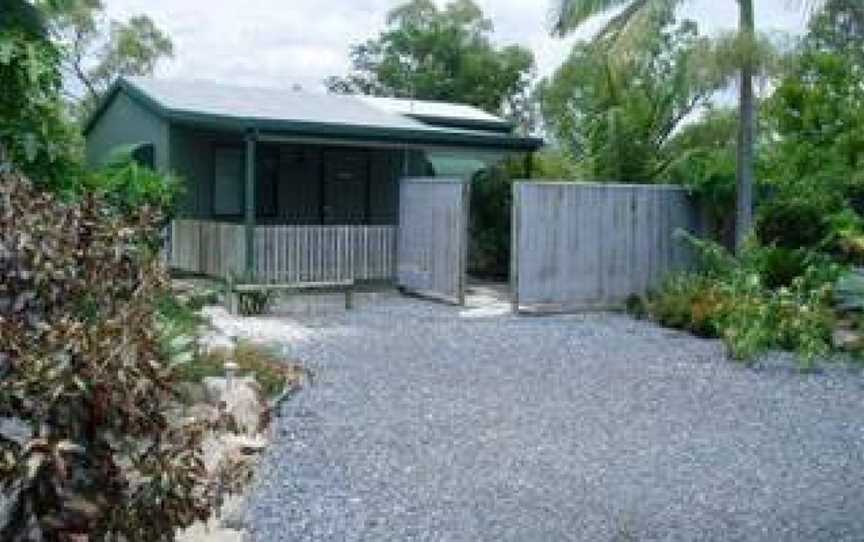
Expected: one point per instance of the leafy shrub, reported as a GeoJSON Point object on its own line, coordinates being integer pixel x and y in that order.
{"type": "Point", "coordinates": [635, 306]}
{"type": "Point", "coordinates": [793, 223]}
{"type": "Point", "coordinates": [687, 302]}
{"type": "Point", "coordinates": [491, 208]}
{"type": "Point", "coordinates": [731, 299]}
{"type": "Point", "coordinates": [779, 267]}
{"type": "Point", "coordinates": [85, 368]}
{"type": "Point", "coordinates": [754, 319]}
{"type": "Point", "coordinates": [127, 185]}
{"type": "Point", "coordinates": [35, 132]}
{"type": "Point", "coordinates": [254, 303]}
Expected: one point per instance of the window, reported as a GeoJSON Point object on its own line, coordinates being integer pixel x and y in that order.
{"type": "Point", "coordinates": [229, 169]}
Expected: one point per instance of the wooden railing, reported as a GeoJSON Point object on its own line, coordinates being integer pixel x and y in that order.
{"type": "Point", "coordinates": [285, 253]}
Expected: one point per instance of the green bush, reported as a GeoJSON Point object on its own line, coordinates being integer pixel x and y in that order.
{"type": "Point", "coordinates": [767, 298]}
{"type": "Point", "coordinates": [793, 222]}
{"type": "Point", "coordinates": [491, 212]}
{"type": "Point", "coordinates": [35, 131]}
{"type": "Point", "coordinates": [689, 302]}
{"type": "Point", "coordinates": [127, 185]}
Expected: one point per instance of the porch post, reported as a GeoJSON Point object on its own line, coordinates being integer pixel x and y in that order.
{"type": "Point", "coordinates": [251, 142]}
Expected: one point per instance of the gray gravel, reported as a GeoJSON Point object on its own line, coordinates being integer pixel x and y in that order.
{"type": "Point", "coordinates": [426, 424]}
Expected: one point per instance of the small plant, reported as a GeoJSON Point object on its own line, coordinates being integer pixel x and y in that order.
{"type": "Point", "coordinates": [254, 303]}
{"type": "Point", "coordinates": [270, 371]}
{"type": "Point", "coordinates": [635, 306]}
{"type": "Point", "coordinates": [687, 302]}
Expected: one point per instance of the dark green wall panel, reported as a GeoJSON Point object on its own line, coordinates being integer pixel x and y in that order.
{"type": "Point", "coordinates": [125, 122]}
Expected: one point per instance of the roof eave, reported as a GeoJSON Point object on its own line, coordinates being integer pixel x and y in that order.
{"type": "Point", "coordinates": [369, 133]}
{"type": "Point", "coordinates": [136, 94]}
{"type": "Point", "coordinates": [101, 107]}
{"type": "Point", "coordinates": [500, 126]}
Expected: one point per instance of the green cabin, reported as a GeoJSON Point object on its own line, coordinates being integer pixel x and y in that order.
{"type": "Point", "coordinates": [275, 176]}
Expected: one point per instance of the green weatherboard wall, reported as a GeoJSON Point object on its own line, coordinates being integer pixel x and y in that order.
{"type": "Point", "coordinates": [319, 159]}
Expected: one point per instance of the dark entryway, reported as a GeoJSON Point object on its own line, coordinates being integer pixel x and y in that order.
{"type": "Point", "coordinates": [346, 186]}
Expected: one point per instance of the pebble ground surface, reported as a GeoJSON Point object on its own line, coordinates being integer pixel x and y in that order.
{"type": "Point", "coordinates": [440, 423]}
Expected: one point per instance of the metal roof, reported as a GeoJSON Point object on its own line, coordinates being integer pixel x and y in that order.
{"type": "Point", "coordinates": [440, 113]}
{"type": "Point", "coordinates": [333, 116]}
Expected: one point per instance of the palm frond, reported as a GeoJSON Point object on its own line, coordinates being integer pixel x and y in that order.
{"type": "Point", "coordinates": [567, 15]}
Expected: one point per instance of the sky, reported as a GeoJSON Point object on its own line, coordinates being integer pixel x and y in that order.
{"type": "Point", "coordinates": [282, 43]}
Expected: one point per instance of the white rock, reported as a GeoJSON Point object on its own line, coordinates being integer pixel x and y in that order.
{"type": "Point", "coordinates": [212, 532]}
{"type": "Point", "coordinates": [846, 339]}
{"type": "Point", "coordinates": [245, 444]}
{"type": "Point", "coordinates": [243, 400]}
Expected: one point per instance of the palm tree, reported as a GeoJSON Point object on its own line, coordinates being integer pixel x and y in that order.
{"type": "Point", "coordinates": [569, 14]}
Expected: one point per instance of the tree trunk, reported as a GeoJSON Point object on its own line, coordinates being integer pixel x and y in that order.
{"type": "Point", "coordinates": [747, 129]}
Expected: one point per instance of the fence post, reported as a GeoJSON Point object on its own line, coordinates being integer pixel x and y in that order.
{"type": "Point", "coordinates": [514, 246]}
{"type": "Point", "coordinates": [250, 204]}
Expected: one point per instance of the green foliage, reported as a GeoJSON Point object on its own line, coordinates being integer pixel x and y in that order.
{"type": "Point", "coordinates": [33, 130]}
{"type": "Point", "coordinates": [815, 160]}
{"type": "Point", "coordinates": [632, 19]}
{"type": "Point", "coordinates": [127, 186]}
{"type": "Point", "coordinates": [85, 367]}
{"type": "Point", "coordinates": [491, 208]}
{"type": "Point", "coordinates": [734, 299]}
{"type": "Point", "coordinates": [636, 307]}
{"type": "Point", "coordinates": [688, 302]}
{"type": "Point", "coordinates": [793, 221]}
{"type": "Point", "coordinates": [178, 328]}
{"type": "Point", "coordinates": [489, 232]}
{"type": "Point", "coordinates": [22, 16]}
{"type": "Point", "coordinates": [254, 303]}
{"type": "Point", "coordinates": [96, 50]}
{"type": "Point", "coordinates": [554, 163]}
{"type": "Point", "coordinates": [617, 116]}
{"type": "Point", "coordinates": [440, 54]}
{"type": "Point", "coordinates": [703, 160]}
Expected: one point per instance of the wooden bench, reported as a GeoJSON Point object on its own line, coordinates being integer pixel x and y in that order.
{"type": "Point", "coordinates": [245, 298]}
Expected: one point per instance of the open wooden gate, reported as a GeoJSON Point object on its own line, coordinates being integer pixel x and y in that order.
{"type": "Point", "coordinates": [433, 237]}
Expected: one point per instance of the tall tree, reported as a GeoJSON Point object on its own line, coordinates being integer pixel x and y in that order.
{"type": "Point", "coordinates": [629, 21]}
{"type": "Point", "coordinates": [815, 162]}
{"type": "Point", "coordinates": [816, 113]}
{"type": "Point", "coordinates": [617, 116]}
{"type": "Point", "coordinates": [435, 53]}
{"type": "Point", "coordinates": [21, 16]}
{"type": "Point", "coordinates": [98, 50]}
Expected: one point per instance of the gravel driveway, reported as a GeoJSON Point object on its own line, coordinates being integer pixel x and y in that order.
{"type": "Point", "coordinates": [430, 422]}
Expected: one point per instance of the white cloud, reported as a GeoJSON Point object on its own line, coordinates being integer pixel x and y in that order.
{"type": "Point", "coordinates": [282, 43]}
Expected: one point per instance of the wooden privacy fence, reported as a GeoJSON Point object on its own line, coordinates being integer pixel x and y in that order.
{"type": "Point", "coordinates": [590, 246]}
{"type": "Point", "coordinates": [285, 254]}
{"type": "Point", "coordinates": [433, 223]}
